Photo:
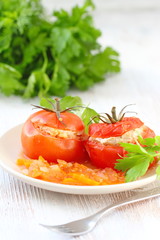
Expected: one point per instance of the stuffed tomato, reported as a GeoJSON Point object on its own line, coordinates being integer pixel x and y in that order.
{"type": "Point", "coordinates": [103, 143]}
{"type": "Point", "coordinates": [54, 136]}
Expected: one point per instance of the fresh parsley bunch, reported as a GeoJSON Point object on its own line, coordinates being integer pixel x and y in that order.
{"type": "Point", "coordinates": [40, 56]}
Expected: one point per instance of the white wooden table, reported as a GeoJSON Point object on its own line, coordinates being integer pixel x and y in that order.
{"type": "Point", "coordinates": [134, 31]}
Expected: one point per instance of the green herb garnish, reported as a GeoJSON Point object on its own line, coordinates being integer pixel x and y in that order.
{"type": "Point", "coordinates": [139, 157]}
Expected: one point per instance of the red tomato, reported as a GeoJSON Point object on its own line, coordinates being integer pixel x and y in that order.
{"type": "Point", "coordinates": [105, 155]}
{"type": "Point", "coordinates": [43, 134]}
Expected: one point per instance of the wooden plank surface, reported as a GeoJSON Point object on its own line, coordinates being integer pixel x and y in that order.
{"type": "Point", "coordinates": [136, 35]}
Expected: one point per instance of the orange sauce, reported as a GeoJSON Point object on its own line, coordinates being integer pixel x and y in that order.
{"type": "Point", "coordinates": [69, 173]}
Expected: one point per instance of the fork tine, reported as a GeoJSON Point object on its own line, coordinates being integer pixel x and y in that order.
{"type": "Point", "coordinates": [58, 228]}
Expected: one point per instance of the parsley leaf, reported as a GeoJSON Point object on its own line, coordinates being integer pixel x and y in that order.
{"type": "Point", "coordinates": [138, 157]}
{"type": "Point", "coordinates": [69, 101]}
{"type": "Point", "coordinates": [138, 170]}
{"type": "Point", "coordinates": [37, 80]}
{"type": "Point", "coordinates": [60, 81]}
{"type": "Point", "coordinates": [87, 116]}
{"type": "Point", "coordinates": [9, 80]}
{"type": "Point", "coordinates": [106, 61]}
{"type": "Point", "coordinates": [134, 148]}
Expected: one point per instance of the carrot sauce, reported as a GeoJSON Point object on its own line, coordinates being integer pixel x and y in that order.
{"type": "Point", "coordinates": [69, 173]}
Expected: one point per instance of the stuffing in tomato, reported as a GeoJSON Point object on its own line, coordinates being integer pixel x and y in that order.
{"type": "Point", "coordinates": [104, 138]}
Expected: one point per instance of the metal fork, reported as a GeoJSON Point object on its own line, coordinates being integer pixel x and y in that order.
{"type": "Point", "coordinates": [85, 225]}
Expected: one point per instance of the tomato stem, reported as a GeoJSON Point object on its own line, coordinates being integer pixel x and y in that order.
{"type": "Point", "coordinates": [58, 109]}
{"type": "Point", "coordinates": [57, 105]}
{"type": "Point", "coordinates": [113, 118]}
{"type": "Point", "coordinates": [113, 111]}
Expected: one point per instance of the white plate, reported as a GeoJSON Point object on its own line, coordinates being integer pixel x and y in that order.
{"type": "Point", "coordinates": [10, 147]}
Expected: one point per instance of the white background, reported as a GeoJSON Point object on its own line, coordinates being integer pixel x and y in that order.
{"type": "Point", "coordinates": [133, 29]}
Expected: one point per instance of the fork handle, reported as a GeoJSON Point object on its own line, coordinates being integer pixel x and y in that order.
{"type": "Point", "coordinates": [135, 198]}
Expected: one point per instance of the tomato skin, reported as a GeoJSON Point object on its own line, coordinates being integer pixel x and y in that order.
{"type": "Point", "coordinates": [51, 148]}
{"type": "Point", "coordinates": [102, 155]}
{"type": "Point", "coordinates": [105, 130]}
